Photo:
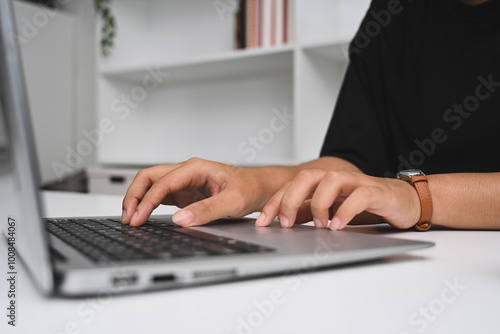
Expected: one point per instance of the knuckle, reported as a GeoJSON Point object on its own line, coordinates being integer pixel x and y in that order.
{"type": "Point", "coordinates": [318, 207]}
{"type": "Point", "coordinates": [145, 173]}
{"type": "Point", "coordinates": [338, 175]}
{"type": "Point", "coordinates": [332, 176]}
{"type": "Point", "coordinates": [307, 174]}
{"type": "Point", "coordinates": [194, 160]}
{"type": "Point", "coordinates": [142, 173]}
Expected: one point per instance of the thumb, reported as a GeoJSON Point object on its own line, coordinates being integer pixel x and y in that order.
{"type": "Point", "coordinates": [209, 209]}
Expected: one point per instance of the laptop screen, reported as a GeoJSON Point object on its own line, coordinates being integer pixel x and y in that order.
{"type": "Point", "coordinates": [20, 206]}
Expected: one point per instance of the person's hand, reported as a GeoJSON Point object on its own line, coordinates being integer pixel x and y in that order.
{"type": "Point", "coordinates": [206, 191]}
{"type": "Point", "coordinates": [316, 194]}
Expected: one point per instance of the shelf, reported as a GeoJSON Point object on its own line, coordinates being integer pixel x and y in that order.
{"type": "Point", "coordinates": [233, 64]}
{"type": "Point", "coordinates": [218, 103]}
{"type": "Point", "coordinates": [332, 50]}
{"type": "Point", "coordinates": [130, 164]}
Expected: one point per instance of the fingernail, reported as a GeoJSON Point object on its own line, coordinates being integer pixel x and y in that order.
{"type": "Point", "coordinates": [317, 223]}
{"type": "Point", "coordinates": [124, 213]}
{"type": "Point", "coordinates": [284, 221]}
{"type": "Point", "coordinates": [260, 219]}
{"type": "Point", "coordinates": [335, 223]}
{"type": "Point", "coordinates": [183, 217]}
{"type": "Point", "coordinates": [134, 218]}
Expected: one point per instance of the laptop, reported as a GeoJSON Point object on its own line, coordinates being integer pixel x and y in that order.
{"type": "Point", "coordinates": [89, 255]}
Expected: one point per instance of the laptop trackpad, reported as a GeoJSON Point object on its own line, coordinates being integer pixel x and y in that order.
{"type": "Point", "coordinates": [247, 226]}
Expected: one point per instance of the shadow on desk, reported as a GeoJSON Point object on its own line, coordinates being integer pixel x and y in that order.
{"type": "Point", "coordinates": [388, 229]}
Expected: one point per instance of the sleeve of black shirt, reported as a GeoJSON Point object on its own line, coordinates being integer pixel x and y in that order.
{"type": "Point", "coordinates": [356, 131]}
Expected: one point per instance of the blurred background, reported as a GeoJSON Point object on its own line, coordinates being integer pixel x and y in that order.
{"type": "Point", "coordinates": [116, 86]}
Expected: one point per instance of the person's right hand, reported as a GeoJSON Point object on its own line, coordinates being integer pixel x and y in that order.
{"type": "Point", "coordinates": [206, 191]}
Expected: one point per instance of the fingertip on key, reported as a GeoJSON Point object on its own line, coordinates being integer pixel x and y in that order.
{"type": "Point", "coordinates": [134, 220]}
{"type": "Point", "coordinates": [335, 224]}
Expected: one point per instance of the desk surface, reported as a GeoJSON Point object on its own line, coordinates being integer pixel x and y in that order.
{"type": "Point", "coordinates": [453, 287]}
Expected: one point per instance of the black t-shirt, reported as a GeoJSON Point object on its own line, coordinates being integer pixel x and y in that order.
{"type": "Point", "coordinates": [422, 89]}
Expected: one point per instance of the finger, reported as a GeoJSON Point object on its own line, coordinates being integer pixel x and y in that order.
{"type": "Point", "coordinates": [361, 199]}
{"type": "Point", "coordinates": [272, 208]}
{"type": "Point", "coordinates": [329, 190]}
{"type": "Point", "coordinates": [299, 190]}
{"type": "Point", "coordinates": [210, 209]}
{"type": "Point", "coordinates": [186, 176]}
{"type": "Point", "coordinates": [139, 186]}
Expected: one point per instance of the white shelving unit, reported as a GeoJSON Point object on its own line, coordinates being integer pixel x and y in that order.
{"type": "Point", "coordinates": [216, 102]}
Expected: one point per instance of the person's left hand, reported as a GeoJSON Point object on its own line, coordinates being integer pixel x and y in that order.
{"type": "Point", "coordinates": [348, 196]}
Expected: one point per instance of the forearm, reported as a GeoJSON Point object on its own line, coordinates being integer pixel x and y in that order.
{"type": "Point", "coordinates": [466, 200]}
{"type": "Point", "coordinates": [273, 178]}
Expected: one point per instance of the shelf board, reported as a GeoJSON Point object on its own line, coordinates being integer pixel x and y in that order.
{"type": "Point", "coordinates": [333, 50]}
{"type": "Point", "coordinates": [233, 64]}
{"type": "Point", "coordinates": [125, 163]}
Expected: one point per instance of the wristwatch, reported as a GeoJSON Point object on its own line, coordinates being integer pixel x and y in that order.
{"type": "Point", "coordinates": [418, 180]}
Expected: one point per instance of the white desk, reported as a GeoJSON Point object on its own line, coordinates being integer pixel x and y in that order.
{"type": "Point", "coordinates": [376, 297]}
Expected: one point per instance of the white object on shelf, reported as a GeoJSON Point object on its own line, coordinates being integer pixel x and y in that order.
{"type": "Point", "coordinates": [110, 181]}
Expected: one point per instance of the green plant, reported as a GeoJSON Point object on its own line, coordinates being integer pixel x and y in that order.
{"type": "Point", "coordinates": [103, 7]}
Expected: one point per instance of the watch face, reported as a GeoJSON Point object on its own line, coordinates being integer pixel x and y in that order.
{"type": "Point", "coordinates": [409, 173]}
{"type": "Point", "coordinates": [412, 172]}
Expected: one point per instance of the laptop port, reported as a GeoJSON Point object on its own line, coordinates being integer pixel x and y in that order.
{"type": "Point", "coordinates": [163, 278]}
{"type": "Point", "coordinates": [125, 279]}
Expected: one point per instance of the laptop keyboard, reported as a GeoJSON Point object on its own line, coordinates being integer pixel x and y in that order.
{"type": "Point", "coordinates": [107, 240]}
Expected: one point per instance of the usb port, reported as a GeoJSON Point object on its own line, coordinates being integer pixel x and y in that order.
{"type": "Point", "coordinates": [125, 280]}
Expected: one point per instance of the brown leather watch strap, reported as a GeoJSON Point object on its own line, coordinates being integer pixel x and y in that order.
{"type": "Point", "coordinates": [420, 183]}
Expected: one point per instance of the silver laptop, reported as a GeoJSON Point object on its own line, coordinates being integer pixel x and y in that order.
{"type": "Point", "coordinates": [81, 256]}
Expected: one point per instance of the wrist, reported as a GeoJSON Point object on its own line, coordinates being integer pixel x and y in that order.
{"type": "Point", "coordinates": [436, 189]}
{"type": "Point", "coordinates": [271, 179]}
{"type": "Point", "coordinates": [416, 209]}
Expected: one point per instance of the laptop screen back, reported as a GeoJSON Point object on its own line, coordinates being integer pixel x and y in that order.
{"type": "Point", "coordinates": [20, 207]}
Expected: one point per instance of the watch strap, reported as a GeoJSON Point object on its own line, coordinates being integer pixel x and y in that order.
{"type": "Point", "coordinates": [420, 183]}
